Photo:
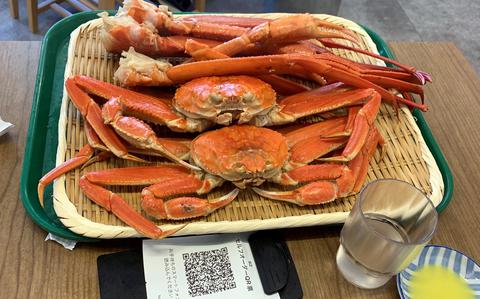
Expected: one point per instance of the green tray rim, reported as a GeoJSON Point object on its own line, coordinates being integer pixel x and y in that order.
{"type": "Point", "coordinates": [36, 140]}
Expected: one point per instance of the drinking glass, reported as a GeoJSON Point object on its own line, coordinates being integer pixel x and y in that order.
{"type": "Point", "coordinates": [388, 226]}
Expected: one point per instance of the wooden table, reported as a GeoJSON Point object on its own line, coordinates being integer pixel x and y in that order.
{"type": "Point", "coordinates": [30, 267]}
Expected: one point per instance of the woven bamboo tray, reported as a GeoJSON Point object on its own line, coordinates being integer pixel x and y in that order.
{"type": "Point", "coordinates": [406, 157]}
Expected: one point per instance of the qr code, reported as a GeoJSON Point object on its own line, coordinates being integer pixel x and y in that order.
{"type": "Point", "coordinates": [208, 272]}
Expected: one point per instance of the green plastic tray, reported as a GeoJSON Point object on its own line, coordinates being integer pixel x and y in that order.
{"type": "Point", "coordinates": [42, 136]}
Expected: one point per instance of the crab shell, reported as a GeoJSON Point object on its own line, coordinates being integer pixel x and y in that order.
{"type": "Point", "coordinates": [223, 99]}
{"type": "Point", "coordinates": [242, 154]}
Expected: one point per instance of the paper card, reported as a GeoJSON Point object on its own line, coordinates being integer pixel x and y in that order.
{"type": "Point", "coordinates": [211, 267]}
{"type": "Point", "coordinates": [4, 126]}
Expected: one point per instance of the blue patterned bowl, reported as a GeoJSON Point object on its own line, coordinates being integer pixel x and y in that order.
{"type": "Point", "coordinates": [442, 256]}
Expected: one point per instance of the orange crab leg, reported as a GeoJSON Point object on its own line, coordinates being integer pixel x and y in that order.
{"type": "Point", "coordinates": [92, 114]}
{"type": "Point", "coordinates": [359, 165]}
{"type": "Point", "coordinates": [395, 83]}
{"type": "Point", "coordinates": [143, 11]}
{"type": "Point", "coordinates": [382, 78]}
{"type": "Point", "coordinates": [146, 107]}
{"type": "Point", "coordinates": [307, 150]}
{"type": "Point", "coordinates": [136, 176]}
{"type": "Point", "coordinates": [117, 205]}
{"type": "Point", "coordinates": [181, 207]}
{"type": "Point", "coordinates": [340, 176]}
{"type": "Point", "coordinates": [122, 32]}
{"type": "Point", "coordinates": [200, 51]}
{"type": "Point", "coordinates": [352, 114]}
{"type": "Point", "coordinates": [248, 22]}
{"type": "Point", "coordinates": [313, 102]}
{"type": "Point", "coordinates": [323, 128]}
{"type": "Point", "coordinates": [227, 20]}
{"type": "Point", "coordinates": [85, 153]}
{"type": "Point", "coordinates": [342, 180]}
{"type": "Point", "coordinates": [361, 128]}
{"type": "Point", "coordinates": [314, 172]}
{"type": "Point", "coordinates": [421, 76]}
{"type": "Point", "coordinates": [95, 142]}
{"type": "Point", "coordinates": [288, 29]}
{"type": "Point", "coordinates": [301, 47]}
{"type": "Point", "coordinates": [383, 71]}
{"type": "Point", "coordinates": [349, 79]}
{"type": "Point", "coordinates": [154, 109]}
{"type": "Point", "coordinates": [277, 64]}
{"type": "Point", "coordinates": [141, 135]}
{"type": "Point", "coordinates": [93, 139]}
{"type": "Point", "coordinates": [167, 180]}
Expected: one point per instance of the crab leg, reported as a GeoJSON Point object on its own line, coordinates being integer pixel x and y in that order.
{"type": "Point", "coordinates": [320, 129]}
{"type": "Point", "coordinates": [336, 180]}
{"type": "Point", "coordinates": [359, 165]}
{"type": "Point", "coordinates": [146, 107]}
{"type": "Point", "coordinates": [92, 114]}
{"type": "Point", "coordinates": [297, 65]}
{"type": "Point", "coordinates": [420, 75]}
{"type": "Point", "coordinates": [352, 114]}
{"type": "Point", "coordinates": [104, 154]}
{"type": "Point", "coordinates": [288, 29]}
{"type": "Point", "coordinates": [227, 20]}
{"type": "Point", "coordinates": [117, 205]}
{"type": "Point", "coordinates": [159, 16]}
{"type": "Point", "coordinates": [128, 128]}
{"type": "Point", "coordinates": [121, 32]}
{"type": "Point", "coordinates": [141, 135]}
{"type": "Point", "coordinates": [181, 207]}
{"type": "Point", "coordinates": [200, 51]}
{"type": "Point", "coordinates": [382, 78]}
{"type": "Point", "coordinates": [84, 155]}
{"type": "Point", "coordinates": [317, 101]}
{"type": "Point", "coordinates": [314, 141]}
{"type": "Point", "coordinates": [319, 192]}
{"type": "Point", "coordinates": [277, 64]}
{"type": "Point", "coordinates": [168, 180]}
{"type": "Point", "coordinates": [313, 148]}
{"type": "Point", "coordinates": [361, 128]}
{"type": "Point", "coordinates": [93, 139]}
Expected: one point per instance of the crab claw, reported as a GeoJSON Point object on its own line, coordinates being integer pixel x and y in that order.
{"type": "Point", "coordinates": [141, 135]}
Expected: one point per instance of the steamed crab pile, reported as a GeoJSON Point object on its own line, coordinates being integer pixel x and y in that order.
{"type": "Point", "coordinates": [240, 80]}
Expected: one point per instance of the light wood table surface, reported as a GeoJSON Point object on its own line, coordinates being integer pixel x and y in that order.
{"type": "Point", "coordinates": [32, 268]}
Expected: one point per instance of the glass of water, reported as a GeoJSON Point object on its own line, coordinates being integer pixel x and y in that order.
{"type": "Point", "coordinates": [388, 226]}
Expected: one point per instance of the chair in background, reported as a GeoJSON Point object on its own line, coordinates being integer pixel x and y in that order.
{"type": "Point", "coordinates": [34, 8]}
{"type": "Point", "coordinates": [13, 4]}
{"type": "Point", "coordinates": [200, 5]}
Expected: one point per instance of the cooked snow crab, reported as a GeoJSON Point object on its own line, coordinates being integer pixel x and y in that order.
{"type": "Point", "coordinates": [317, 162]}
{"type": "Point", "coordinates": [153, 31]}
{"type": "Point", "coordinates": [110, 128]}
{"type": "Point", "coordinates": [196, 106]}
{"type": "Point", "coordinates": [319, 68]}
{"type": "Point", "coordinates": [246, 156]}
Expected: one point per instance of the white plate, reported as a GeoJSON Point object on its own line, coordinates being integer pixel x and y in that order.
{"type": "Point", "coordinates": [446, 257]}
{"type": "Point", "coordinates": [4, 126]}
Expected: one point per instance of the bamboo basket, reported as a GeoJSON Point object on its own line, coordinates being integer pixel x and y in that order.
{"type": "Point", "coordinates": [406, 157]}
